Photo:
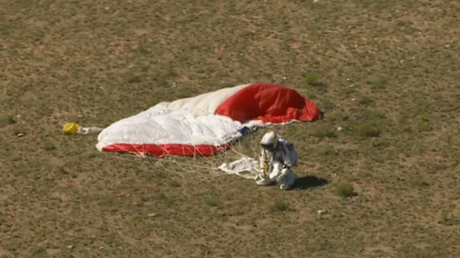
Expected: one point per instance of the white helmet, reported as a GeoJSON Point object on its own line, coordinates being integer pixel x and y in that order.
{"type": "Point", "coordinates": [269, 141]}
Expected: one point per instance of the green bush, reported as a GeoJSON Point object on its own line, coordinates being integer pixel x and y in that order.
{"type": "Point", "coordinates": [279, 206]}
{"type": "Point", "coordinates": [345, 190]}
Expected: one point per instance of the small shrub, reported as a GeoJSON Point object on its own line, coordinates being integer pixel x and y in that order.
{"type": "Point", "coordinates": [211, 201]}
{"type": "Point", "coordinates": [379, 83]}
{"type": "Point", "coordinates": [373, 115]}
{"type": "Point", "coordinates": [424, 124]}
{"type": "Point", "coordinates": [131, 77]}
{"type": "Point", "coordinates": [160, 173]}
{"type": "Point", "coordinates": [328, 150]}
{"type": "Point", "coordinates": [345, 190]}
{"type": "Point", "coordinates": [311, 95]}
{"type": "Point", "coordinates": [381, 143]}
{"type": "Point", "coordinates": [417, 180]}
{"type": "Point", "coordinates": [450, 218]}
{"type": "Point", "coordinates": [365, 100]}
{"type": "Point", "coordinates": [327, 104]}
{"type": "Point", "coordinates": [174, 183]}
{"type": "Point", "coordinates": [311, 78]}
{"type": "Point", "coordinates": [49, 146]}
{"type": "Point", "coordinates": [348, 92]}
{"type": "Point", "coordinates": [368, 130]}
{"type": "Point", "coordinates": [279, 206]}
{"type": "Point", "coordinates": [167, 200]}
{"type": "Point", "coordinates": [325, 133]}
{"type": "Point", "coordinates": [8, 119]}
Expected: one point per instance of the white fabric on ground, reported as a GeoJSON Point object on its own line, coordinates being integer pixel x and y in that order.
{"type": "Point", "coordinates": [89, 130]}
{"type": "Point", "coordinates": [245, 167]}
{"type": "Point", "coordinates": [162, 126]}
{"type": "Point", "coordinates": [203, 104]}
{"type": "Point", "coordinates": [188, 121]}
{"type": "Point", "coordinates": [249, 168]}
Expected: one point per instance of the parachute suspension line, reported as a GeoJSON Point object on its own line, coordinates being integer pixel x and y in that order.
{"type": "Point", "coordinates": [199, 165]}
{"type": "Point", "coordinates": [206, 166]}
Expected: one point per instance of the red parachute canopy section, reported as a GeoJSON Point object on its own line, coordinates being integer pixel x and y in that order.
{"type": "Point", "coordinates": [270, 103]}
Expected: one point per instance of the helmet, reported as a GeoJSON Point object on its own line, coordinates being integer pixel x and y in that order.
{"type": "Point", "coordinates": [269, 141]}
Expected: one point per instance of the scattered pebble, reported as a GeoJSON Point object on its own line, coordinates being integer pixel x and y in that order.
{"type": "Point", "coordinates": [321, 213]}
{"type": "Point", "coordinates": [339, 128]}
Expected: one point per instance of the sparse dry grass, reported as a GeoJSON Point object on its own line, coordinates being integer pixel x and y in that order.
{"type": "Point", "coordinates": [385, 72]}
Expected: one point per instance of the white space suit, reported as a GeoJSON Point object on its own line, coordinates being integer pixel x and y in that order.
{"type": "Point", "coordinates": [278, 156]}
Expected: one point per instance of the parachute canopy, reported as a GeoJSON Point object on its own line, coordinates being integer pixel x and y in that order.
{"type": "Point", "coordinates": [206, 124]}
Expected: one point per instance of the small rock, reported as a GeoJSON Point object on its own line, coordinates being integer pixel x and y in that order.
{"type": "Point", "coordinates": [339, 128]}
{"type": "Point", "coordinates": [320, 212]}
{"type": "Point", "coordinates": [151, 214]}
{"type": "Point", "coordinates": [19, 135]}
{"type": "Point", "coordinates": [70, 246]}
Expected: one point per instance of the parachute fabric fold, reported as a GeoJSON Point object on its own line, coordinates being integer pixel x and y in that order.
{"type": "Point", "coordinates": [269, 103]}
{"type": "Point", "coordinates": [205, 124]}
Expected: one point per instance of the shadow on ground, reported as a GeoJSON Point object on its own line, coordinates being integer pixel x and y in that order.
{"type": "Point", "coordinates": [308, 182]}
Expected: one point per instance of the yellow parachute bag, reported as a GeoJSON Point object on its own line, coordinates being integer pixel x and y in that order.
{"type": "Point", "coordinates": [74, 128]}
{"type": "Point", "coordinates": [71, 128]}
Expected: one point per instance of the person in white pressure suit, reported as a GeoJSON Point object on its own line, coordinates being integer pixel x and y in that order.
{"type": "Point", "coordinates": [277, 157]}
